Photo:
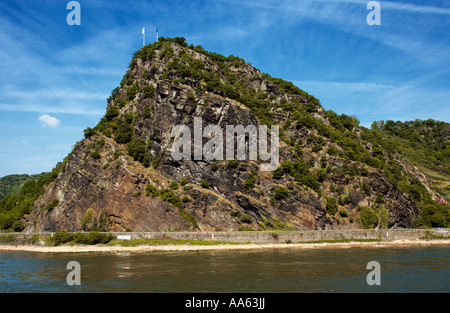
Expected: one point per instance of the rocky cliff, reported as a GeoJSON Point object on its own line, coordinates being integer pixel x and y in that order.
{"type": "Point", "coordinates": [332, 174]}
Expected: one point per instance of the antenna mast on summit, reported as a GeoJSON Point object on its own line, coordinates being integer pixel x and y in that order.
{"type": "Point", "coordinates": [143, 36]}
{"type": "Point", "coordinates": [157, 33]}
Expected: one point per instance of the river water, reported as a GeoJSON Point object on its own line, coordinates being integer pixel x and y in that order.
{"type": "Point", "coordinates": [411, 269]}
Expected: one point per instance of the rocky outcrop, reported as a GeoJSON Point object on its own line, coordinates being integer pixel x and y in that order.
{"type": "Point", "coordinates": [113, 182]}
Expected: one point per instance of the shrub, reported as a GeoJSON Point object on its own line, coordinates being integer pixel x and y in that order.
{"type": "Point", "coordinates": [245, 218]}
{"type": "Point", "coordinates": [366, 188]}
{"type": "Point", "coordinates": [86, 218]}
{"type": "Point", "coordinates": [174, 185]}
{"type": "Point", "coordinates": [278, 173]}
{"type": "Point", "coordinates": [368, 218]}
{"type": "Point", "coordinates": [233, 163]}
{"type": "Point", "coordinates": [435, 215]}
{"type": "Point", "coordinates": [17, 226]}
{"type": "Point", "coordinates": [249, 183]}
{"type": "Point", "coordinates": [379, 198]}
{"type": "Point", "coordinates": [123, 132]}
{"type": "Point", "coordinates": [132, 91]}
{"type": "Point", "coordinates": [151, 190]}
{"type": "Point", "coordinates": [52, 205]}
{"type": "Point", "coordinates": [149, 91]}
{"type": "Point", "coordinates": [190, 97]}
{"type": "Point", "coordinates": [204, 183]}
{"type": "Point", "coordinates": [138, 150]}
{"type": "Point", "coordinates": [60, 237]}
{"type": "Point", "coordinates": [281, 193]}
{"type": "Point", "coordinates": [92, 238]}
{"type": "Point", "coordinates": [332, 206]}
{"type": "Point", "coordinates": [168, 196]}
{"type": "Point", "coordinates": [88, 132]}
{"type": "Point", "coordinates": [147, 112]}
{"type": "Point", "coordinates": [156, 162]}
{"type": "Point", "coordinates": [96, 154]}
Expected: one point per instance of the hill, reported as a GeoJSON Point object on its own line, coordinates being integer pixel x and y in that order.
{"type": "Point", "coordinates": [11, 184]}
{"type": "Point", "coordinates": [330, 172]}
{"type": "Point", "coordinates": [425, 144]}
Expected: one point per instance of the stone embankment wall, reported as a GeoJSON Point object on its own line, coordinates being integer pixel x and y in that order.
{"type": "Point", "coordinates": [260, 237]}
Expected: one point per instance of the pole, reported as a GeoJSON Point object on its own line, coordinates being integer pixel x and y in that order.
{"type": "Point", "coordinates": [143, 36]}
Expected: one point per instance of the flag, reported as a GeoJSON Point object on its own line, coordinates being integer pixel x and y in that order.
{"type": "Point", "coordinates": [143, 30]}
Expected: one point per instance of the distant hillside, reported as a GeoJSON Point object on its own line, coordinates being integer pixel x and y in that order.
{"type": "Point", "coordinates": [11, 184]}
{"type": "Point", "coordinates": [426, 144]}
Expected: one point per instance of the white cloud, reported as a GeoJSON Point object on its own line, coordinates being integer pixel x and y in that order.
{"type": "Point", "coordinates": [47, 120]}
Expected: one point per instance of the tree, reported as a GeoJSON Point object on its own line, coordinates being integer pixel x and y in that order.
{"type": "Point", "coordinates": [368, 218]}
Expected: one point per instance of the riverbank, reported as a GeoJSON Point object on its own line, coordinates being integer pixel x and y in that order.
{"type": "Point", "coordinates": [102, 248]}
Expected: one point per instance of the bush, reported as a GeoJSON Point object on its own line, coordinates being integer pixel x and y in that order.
{"type": "Point", "coordinates": [123, 133]}
{"type": "Point", "coordinates": [60, 237]}
{"type": "Point", "coordinates": [156, 162]}
{"type": "Point", "coordinates": [52, 205]}
{"type": "Point", "coordinates": [233, 163]}
{"type": "Point", "coordinates": [149, 91]}
{"type": "Point", "coordinates": [245, 218]}
{"type": "Point", "coordinates": [87, 217]}
{"type": "Point", "coordinates": [332, 206]}
{"type": "Point", "coordinates": [281, 193]}
{"type": "Point", "coordinates": [132, 91]}
{"type": "Point", "coordinates": [379, 198]}
{"type": "Point", "coordinates": [368, 218]}
{"type": "Point", "coordinates": [190, 97]}
{"type": "Point", "coordinates": [174, 185]}
{"type": "Point", "coordinates": [204, 184]}
{"type": "Point", "coordinates": [249, 183]}
{"type": "Point", "coordinates": [88, 132]}
{"type": "Point", "coordinates": [183, 181]}
{"type": "Point", "coordinates": [92, 238]}
{"type": "Point", "coordinates": [168, 196]}
{"type": "Point", "coordinates": [278, 173]}
{"type": "Point", "coordinates": [435, 215]}
{"type": "Point", "coordinates": [138, 150]}
{"type": "Point", "coordinates": [151, 190]}
{"type": "Point", "coordinates": [95, 154]}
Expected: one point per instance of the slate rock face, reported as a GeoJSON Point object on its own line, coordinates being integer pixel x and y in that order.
{"type": "Point", "coordinates": [122, 176]}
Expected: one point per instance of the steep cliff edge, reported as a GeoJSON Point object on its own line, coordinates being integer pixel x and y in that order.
{"type": "Point", "coordinates": [331, 174]}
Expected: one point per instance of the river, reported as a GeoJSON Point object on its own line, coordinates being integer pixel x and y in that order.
{"type": "Point", "coordinates": [402, 269]}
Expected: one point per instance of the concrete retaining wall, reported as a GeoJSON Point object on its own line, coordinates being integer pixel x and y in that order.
{"type": "Point", "coordinates": [260, 237]}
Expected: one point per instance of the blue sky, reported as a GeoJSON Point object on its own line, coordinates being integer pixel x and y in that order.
{"type": "Point", "coordinates": [55, 78]}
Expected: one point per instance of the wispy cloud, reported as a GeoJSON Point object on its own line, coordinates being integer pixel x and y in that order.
{"type": "Point", "coordinates": [55, 94]}
{"type": "Point", "coordinates": [343, 86]}
{"type": "Point", "coordinates": [407, 7]}
{"type": "Point", "coordinates": [65, 109]}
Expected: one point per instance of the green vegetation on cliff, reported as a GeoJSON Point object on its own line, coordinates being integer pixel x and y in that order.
{"type": "Point", "coordinates": [15, 206]}
{"type": "Point", "coordinates": [330, 158]}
